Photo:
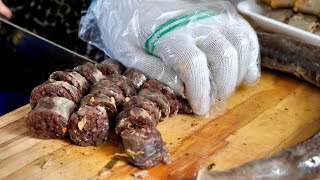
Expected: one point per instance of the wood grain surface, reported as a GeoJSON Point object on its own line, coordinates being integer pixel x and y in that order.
{"type": "Point", "coordinates": [260, 120]}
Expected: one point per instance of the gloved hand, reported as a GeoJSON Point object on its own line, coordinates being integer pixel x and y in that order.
{"type": "Point", "coordinates": [200, 49]}
{"type": "Point", "coordinates": [4, 10]}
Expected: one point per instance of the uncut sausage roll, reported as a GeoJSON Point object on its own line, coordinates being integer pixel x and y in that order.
{"type": "Point", "coordinates": [49, 119]}
{"type": "Point", "coordinates": [89, 126]}
{"type": "Point", "coordinates": [55, 89]}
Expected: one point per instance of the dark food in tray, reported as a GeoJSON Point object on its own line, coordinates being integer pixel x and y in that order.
{"type": "Point", "coordinates": [301, 14]}
{"type": "Point", "coordinates": [279, 3]}
{"type": "Point", "coordinates": [302, 6]}
{"type": "Point", "coordinates": [282, 15]}
{"type": "Point", "coordinates": [305, 22]}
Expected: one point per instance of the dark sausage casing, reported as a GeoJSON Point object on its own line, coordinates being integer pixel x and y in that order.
{"type": "Point", "coordinates": [90, 72]}
{"type": "Point", "coordinates": [135, 118]}
{"type": "Point", "coordinates": [110, 91]}
{"type": "Point", "coordinates": [144, 103]}
{"type": "Point", "coordinates": [111, 67]}
{"type": "Point", "coordinates": [121, 81]}
{"type": "Point", "coordinates": [135, 76]}
{"type": "Point", "coordinates": [144, 147]}
{"type": "Point", "coordinates": [166, 91]}
{"type": "Point", "coordinates": [97, 99]}
{"type": "Point", "coordinates": [49, 119]}
{"type": "Point", "coordinates": [159, 99]}
{"type": "Point", "coordinates": [73, 78]}
{"type": "Point", "coordinates": [55, 89]}
{"type": "Point", "coordinates": [184, 106]}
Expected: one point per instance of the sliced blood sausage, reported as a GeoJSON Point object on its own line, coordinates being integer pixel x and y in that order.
{"type": "Point", "coordinates": [110, 91]}
{"type": "Point", "coordinates": [144, 103]}
{"type": "Point", "coordinates": [121, 81]}
{"type": "Point", "coordinates": [55, 89]}
{"type": "Point", "coordinates": [71, 77]}
{"type": "Point", "coordinates": [136, 76]}
{"type": "Point", "coordinates": [90, 72]}
{"type": "Point", "coordinates": [165, 90]}
{"type": "Point", "coordinates": [49, 119]}
{"type": "Point", "coordinates": [89, 126]}
{"type": "Point", "coordinates": [97, 99]}
{"type": "Point", "coordinates": [144, 147]}
{"type": "Point", "coordinates": [159, 99]}
{"type": "Point", "coordinates": [184, 106]}
{"type": "Point", "coordinates": [134, 118]}
{"type": "Point", "coordinates": [111, 67]}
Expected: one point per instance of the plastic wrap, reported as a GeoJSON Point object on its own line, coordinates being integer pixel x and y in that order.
{"type": "Point", "coordinates": [201, 49]}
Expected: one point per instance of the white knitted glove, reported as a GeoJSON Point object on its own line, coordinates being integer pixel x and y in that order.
{"type": "Point", "coordinates": [200, 49]}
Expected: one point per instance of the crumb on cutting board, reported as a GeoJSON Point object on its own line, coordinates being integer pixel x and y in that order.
{"type": "Point", "coordinates": [86, 153]}
{"type": "Point", "coordinates": [141, 174]}
{"type": "Point", "coordinates": [104, 172]}
{"type": "Point", "coordinates": [47, 164]}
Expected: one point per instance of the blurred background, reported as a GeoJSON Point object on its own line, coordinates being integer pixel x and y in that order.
{"type": "Point", "coordinates": [27, 61]}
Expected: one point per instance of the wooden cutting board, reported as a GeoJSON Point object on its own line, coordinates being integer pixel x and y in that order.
{"type": "Point", "coordinates": [259, 120]}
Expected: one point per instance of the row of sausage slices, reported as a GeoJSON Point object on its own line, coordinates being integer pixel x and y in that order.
{"type": "Point", "coordinates": [83, 103]}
